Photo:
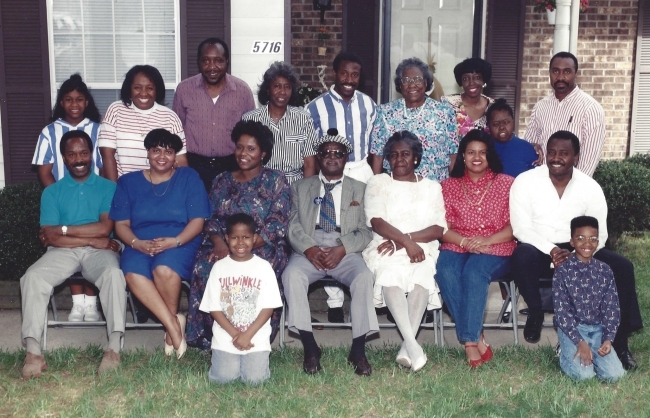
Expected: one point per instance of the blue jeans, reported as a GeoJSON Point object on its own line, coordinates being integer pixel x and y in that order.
{"type": "Point", "coordinates": [463, 279]}
{"type": "Point", "coordinates": [252, 368]}
{"type": "Point", "coordinates": [607, 368]}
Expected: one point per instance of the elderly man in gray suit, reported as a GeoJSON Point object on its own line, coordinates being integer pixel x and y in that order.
{"type": "Point", "coordinates": [327, 230]}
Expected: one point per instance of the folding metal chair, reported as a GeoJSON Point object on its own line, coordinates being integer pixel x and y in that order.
{"type": "Point", "coordinates": [329, 281]}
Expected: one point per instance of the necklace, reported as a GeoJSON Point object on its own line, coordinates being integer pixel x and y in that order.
{"type": "Point", "coordinates": [169, 181]}
{"type": "Point", "coordinates": [466, 193]}
{"type": "Point", "coordinates": [410, 114]}
{"type": "Point", "coordinates": [416, 180]}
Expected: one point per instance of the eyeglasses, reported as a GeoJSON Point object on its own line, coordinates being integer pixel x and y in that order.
{"type": "Point", "coordinates": [581, 238]}
{"type": "Point", "coordinates": [418, 81]}
{"type": "Point", "coordinates": [331, 153]}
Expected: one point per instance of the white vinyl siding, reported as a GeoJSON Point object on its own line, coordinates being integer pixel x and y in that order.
{"type": "Point", "coordinates": [640, 132]}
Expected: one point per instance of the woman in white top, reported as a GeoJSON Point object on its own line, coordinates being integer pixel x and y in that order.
{"type": "Point", "coordinates": [140, 110]}
{"type": "Point", "coordinates": [407, 214]}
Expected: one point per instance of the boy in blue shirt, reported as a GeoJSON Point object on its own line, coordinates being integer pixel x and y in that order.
{"type": "Point", "coordinates": [587, 313]}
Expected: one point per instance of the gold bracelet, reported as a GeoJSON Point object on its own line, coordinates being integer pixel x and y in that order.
{"type": "Point", "coordinates": [178, 243]}
{"type": "Point", "coordinates": [461, 243]}
{"type": "Point", "coordinates": [409, 235]}
{"type": "Point", "coordinates": [133, 241]}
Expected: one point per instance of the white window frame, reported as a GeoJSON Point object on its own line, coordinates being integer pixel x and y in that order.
{"type": "Point", "coordinates": [54, 86]}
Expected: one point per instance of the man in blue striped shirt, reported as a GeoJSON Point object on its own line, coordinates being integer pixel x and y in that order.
{"type": "Point", "coordinates": [348, 110]}
{"type": "Point", "coordinates": [352, 113]}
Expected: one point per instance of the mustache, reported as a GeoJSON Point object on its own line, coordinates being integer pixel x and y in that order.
{"type": "Point", "coordinates": [79, 164]}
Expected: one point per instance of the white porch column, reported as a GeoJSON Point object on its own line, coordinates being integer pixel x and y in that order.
{"type": "Point", "coordinates": [575, 17]}
{"type": "Point", "coordinates": [561, 37]}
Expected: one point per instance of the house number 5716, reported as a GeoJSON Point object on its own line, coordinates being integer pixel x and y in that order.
{"type": "Point", "coordinates": [267, 47]}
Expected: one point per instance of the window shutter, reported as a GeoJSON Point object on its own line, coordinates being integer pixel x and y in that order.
{"type": "Point", "coordinates": [504, 50]}
{"type": "Point", "coordinates": [24, 84]}
{"type": "Point", "coordinates": [640, 137]}
{"type": "Point", "coordinates": [201, 19]}
{"type": "Point", "coordinates": [361, 36]}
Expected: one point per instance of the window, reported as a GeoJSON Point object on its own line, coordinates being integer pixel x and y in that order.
{"type": "Point", "coordinates": [102, 39]}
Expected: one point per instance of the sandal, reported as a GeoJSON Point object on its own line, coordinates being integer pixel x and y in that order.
{"type": "Point", "coordinates": [487, 355]}
{"type": "Point", "coordinates": [473, 363]}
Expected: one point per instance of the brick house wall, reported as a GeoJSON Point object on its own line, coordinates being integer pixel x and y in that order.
{"type": "Point", "coordinates": [305, 22]}
{"type": "Point", "coordinates": [606, 46]}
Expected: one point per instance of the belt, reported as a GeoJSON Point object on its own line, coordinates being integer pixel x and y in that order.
{"type": "Point", "coordinates": [337, 229]}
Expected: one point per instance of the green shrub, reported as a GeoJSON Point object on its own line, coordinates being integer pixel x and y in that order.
{"type": "Point", "coordinates": [19, 225]}
{"type": "Point", "coordinates": [626, 185]}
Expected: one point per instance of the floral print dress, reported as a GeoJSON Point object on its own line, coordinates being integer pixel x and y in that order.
{"type": "Point", "coordinates": [267, 198]}
{"type": "Point", "coordinates": [433, 123]}
{"type": "Point", "coordinates": [464, 122]}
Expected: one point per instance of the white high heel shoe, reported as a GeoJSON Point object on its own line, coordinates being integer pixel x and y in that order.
{"type": "Point", "coordinates": [180, 352]}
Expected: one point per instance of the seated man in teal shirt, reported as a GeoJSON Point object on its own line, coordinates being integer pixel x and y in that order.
{"type": "Point", "coordinates": [76, 230]}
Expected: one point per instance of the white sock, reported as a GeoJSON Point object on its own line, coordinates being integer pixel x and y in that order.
{"type": "Point", "coordinates": [78, 299]}
{"type": "Point", "coordinates": [90, 301]}
{"type": "Point", "coordinates": [399, 307]}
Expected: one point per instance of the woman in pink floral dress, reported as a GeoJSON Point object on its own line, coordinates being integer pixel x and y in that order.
{"type": "Point", "coordinates": [471, 105]}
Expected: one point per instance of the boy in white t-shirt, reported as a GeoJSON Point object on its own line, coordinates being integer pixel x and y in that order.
{"type": "Point", "coordinates": [241, 293]}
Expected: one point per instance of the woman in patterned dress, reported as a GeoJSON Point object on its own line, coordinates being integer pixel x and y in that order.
{"type": "Point", "coordinates": [471, 105]}
{"type": "Point", "coordinates": [256, 190]}
{"type": "Point", "coordinates": [479, 242]}
{"type": "Point", "coordinates": [431, 121]}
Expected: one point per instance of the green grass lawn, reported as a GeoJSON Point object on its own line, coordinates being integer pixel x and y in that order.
{"type": "Point", "coordinates": [519, 382]}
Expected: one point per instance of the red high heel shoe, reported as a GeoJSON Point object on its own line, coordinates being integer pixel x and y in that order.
{"type": "Point", "coordinates": [487, 356]}
{"type": "Point", "coordinates": [473, 363]}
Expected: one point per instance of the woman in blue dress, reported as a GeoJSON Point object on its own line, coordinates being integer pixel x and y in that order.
{"type": "Point", "coordinates": [159, 214]}
{"type": "Point", "coordinates": [258, 191]}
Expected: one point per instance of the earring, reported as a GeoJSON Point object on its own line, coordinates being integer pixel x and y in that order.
{"type": "Point", "coordinates": [484, 85]}
{"type": "Point", "coordinates": [416, 161]}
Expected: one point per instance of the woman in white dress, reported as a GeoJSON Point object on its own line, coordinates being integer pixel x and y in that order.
{"type": "Point", "coordinates": [407, 215]}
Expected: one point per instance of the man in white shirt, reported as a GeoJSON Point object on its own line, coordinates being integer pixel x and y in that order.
{"type": "Point", "coordinates": [542, 203]}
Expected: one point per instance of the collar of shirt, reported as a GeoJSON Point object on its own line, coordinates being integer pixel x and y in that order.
{"type": "Point", "coordinates": [482, 182]}
{"type": "Point", "coordinates": [568, 97]}
{"type": "Point", "coordinates": [230, 84]}
{"type": "Point", "coordinates": [339, 98]}
{"type": "Point", "coordinates": [71, 182]}
{"type": "Point", "coordinates": [264, 112]}
{"type": "Point", "coordinates": [82, 123]}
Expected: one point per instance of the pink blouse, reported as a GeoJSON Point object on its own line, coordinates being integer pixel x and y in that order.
{"type": "Point", "coordinates": [478, 209]}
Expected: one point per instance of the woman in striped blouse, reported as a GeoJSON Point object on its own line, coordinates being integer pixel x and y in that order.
{"type": "Point", "coordinates": [293, 128]}
{"type": "Point", "coordinates": [127, 121]}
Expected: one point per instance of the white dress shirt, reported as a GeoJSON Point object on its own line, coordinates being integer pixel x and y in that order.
{"type": "Point", "coordinates": [336, 196]}
{"type": "Point", "coordinates": [541, 218]}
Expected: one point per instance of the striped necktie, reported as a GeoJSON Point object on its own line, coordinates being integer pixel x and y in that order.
{"type": "Point", "coordinates": [327, 219]}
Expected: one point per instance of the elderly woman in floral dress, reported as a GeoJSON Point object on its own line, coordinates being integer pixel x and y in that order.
{"type": "Point", "coordinates": [432, 122]}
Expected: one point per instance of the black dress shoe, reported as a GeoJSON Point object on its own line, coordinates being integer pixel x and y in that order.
{"type": "Point", "coordinates": [361, 365]}
{"type": "Point", "coordinates": [311, 363]}
{"type": "Point", "coordinates": [505, 318]}
{"type": "Point", "coordinates": [533, 328]}
{"type": "Point", "coordinates": [627, 360]}
{"type": "Point", "coordinates": [335, 315]}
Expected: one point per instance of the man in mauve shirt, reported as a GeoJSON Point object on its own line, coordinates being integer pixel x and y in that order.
{"type": "Point", "coordinates": [209, 104]}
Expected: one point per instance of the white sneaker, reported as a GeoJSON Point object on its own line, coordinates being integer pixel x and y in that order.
{"type": "Point", "coordinates": [76, 314]}
{"type": "Point", "coordinates": [91, 314]}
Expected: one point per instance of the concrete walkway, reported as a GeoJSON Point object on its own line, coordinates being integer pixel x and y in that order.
{"type": "Point", "coordinates": [151, 339]}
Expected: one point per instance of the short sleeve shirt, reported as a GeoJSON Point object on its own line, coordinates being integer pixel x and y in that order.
{"type": "Point", "coordinates": [434, 123]}
{"type": "Point", "coordinates": [478, 209]}
{"type": "Point", "coordinates": [69, 202]}
{"type": "Point", "coordinates": [241, 290]}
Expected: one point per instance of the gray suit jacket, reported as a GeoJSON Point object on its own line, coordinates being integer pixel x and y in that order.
{"type": "Point", "coordinates": [355, 235]}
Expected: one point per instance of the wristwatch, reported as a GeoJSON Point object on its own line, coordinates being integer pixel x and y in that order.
{"type": "Point", "coordinates": [64, 230]}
